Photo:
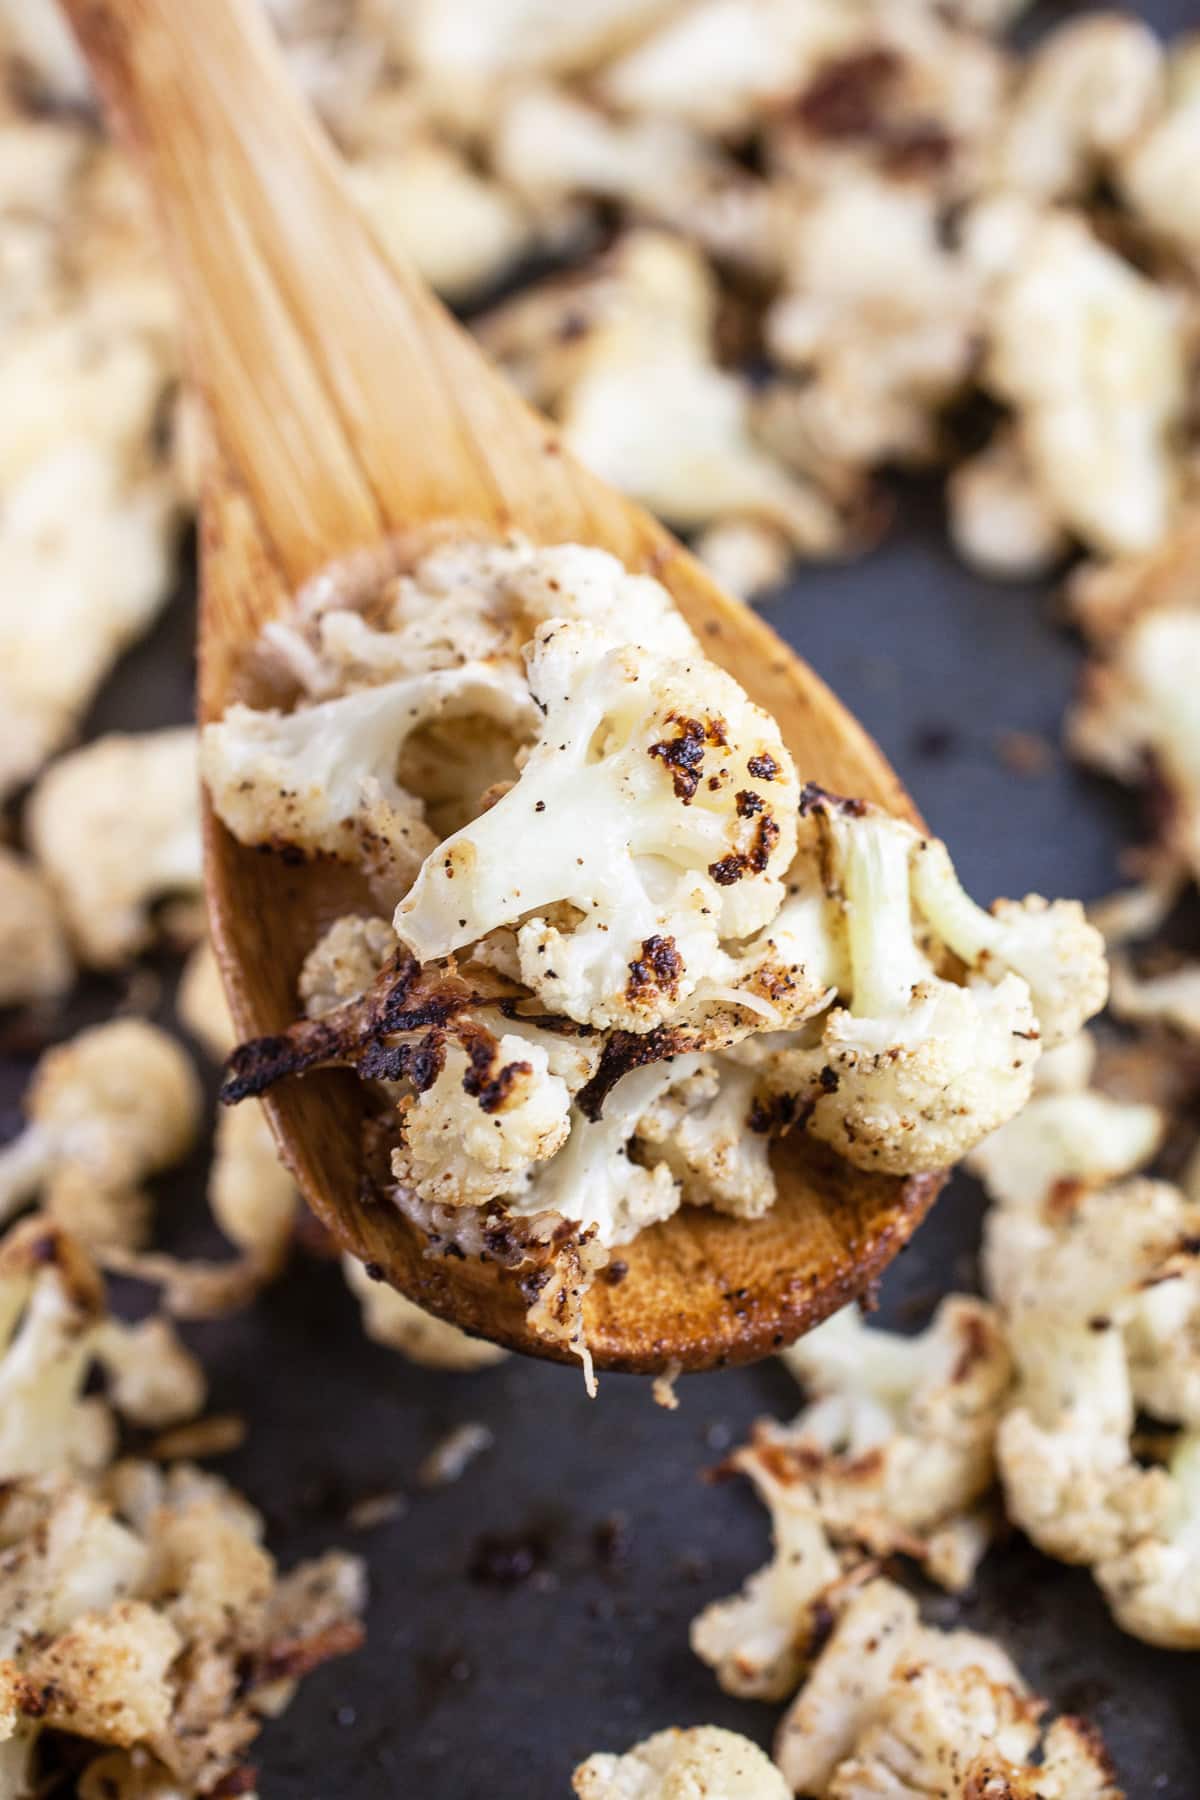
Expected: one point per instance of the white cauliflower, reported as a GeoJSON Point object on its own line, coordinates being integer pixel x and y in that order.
{"type": "Point", "coordinates": [1089, 354]}
{"type": "Point", "coordinates": [1153, 1584]}
{"type": "Point", "coordinates": [912, 1070]}
{"type": "Point", "coordinates": [1049, 944]}
{"type": "Point", "coordinates": [702, 1763]}
{"type": "Point", "coordinates": [322, 780]}
{"type": "Point", "coordinates": [55, 1331]}
{"type": "Point", "coordinates": [1063, 1450]}
{"type": "Point", "coordinates": [1170, 998]}
{"type": "Point", "coordinates": [344, 962]}
{"type": "Point", "coordinates": [1083, 98]}
{"type": "Point", "coordinates": [1153, 172]}
{"type": "Point", "coordinates": [201, 1006]}
{"type": "Point", "coordinates": [999, 519]}
{"type": "Point", "coordinates": [35, 961]}
{"type": "Point", "coordinates": [252, 1196]}
{"type": "Point", "coordinates": [896, 1443]}
{"type": "Point", "coordinates": [146, 1616]}
{"type": "Point", "coordinates": [759, 1640]}
{"type": "Point", "coordinates": [111, 862]}
{"type": "Point", "coordinates": [1136, 707]}
{"type": "Point", "coordinates": [1062, 1141]}
{"type": "Point", "coordinates": [648, 314]}
{"type": "Point", "coordinates": [105, 1110]}
{"type": "Point", "coordinates": [893, 1707]}
{"type": "Point", "coordinates": [390, 1318]}
{"type": "Point", "coordinates": [713, 1133]}
{"type": "Point", "coordinates": [487, 1110]}
{"type": "Point", "coordinates": [657, 814]}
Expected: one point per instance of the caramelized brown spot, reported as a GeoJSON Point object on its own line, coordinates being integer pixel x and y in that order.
{"type": "Point", "coordinates": [684, 753]}
{"type": "Point", "coordinates": [656, 970]}
{"type": "Point", "coordinates": [846, 99]}
{"type": "Point", "coordinates": [763, 767]}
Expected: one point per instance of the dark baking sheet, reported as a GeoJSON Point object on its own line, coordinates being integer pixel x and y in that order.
{"type": "Point", "coordinates": [539, 1609]}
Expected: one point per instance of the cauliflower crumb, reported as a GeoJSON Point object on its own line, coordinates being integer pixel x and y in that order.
{"type": "Point", "coordinates": [110, 861]}
{"type": "Point", "coordinates": [105, 1110]}
{"type": "Point", "coordinates": [703, 1763]}
{"type": "Point", "coordinates": [391, 1319]}
{"type": "Point", "coordinates": [35, 960]}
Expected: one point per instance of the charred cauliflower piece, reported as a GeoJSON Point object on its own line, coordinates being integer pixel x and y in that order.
{"type": "Point", "coordinates": [111, 862]}
{"type": "Point", "coordinates": [703, 1763]}
{"type": "Point", "coordinates": [105, 1110]}
{"type": "Point", "coordinates": [35, 960]}
{"type": "Point", "coordinates": [657, 811]}
{"type": "Point", "coordinates": [896, 1445]}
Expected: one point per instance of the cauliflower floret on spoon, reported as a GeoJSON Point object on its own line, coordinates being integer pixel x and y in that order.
{"type": "Point", "coordinates": [914, 1069]}
{"type": "Point", "coordinates": [656, 815]}
{"type": "Point", "coordinates": [713, 1133]}
{"type": "Point", "coordinates": [322, 780]}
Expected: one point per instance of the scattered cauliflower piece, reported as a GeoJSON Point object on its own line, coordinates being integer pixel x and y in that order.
{"type": "Point", "coordinates": [1089, 354]}
{"type": "Point", "coordinates": [648, 314]}
{"type": "Point", "coordinates": [390, 1318]}
{"type": "Point", "coordinates": [758, 1641]}
{"type": "Point", "coordinates": [35, 960]}
{"type": "Point", "coordinates": [702, 1763]}
{"type": "Point", "coordinates": [1153, 1585]}
{"type": "Point", "coordinates": [252, 1195]}
{"type": "Point", "coordinates": [1083, 98]}
{"type": "Point", "coordinates": [657, 807]}
{"type": "Point", "coordinates": [896, 1444]}
{"type": "Point", "coordinates": [110, 861]}
{"type": "Point", "coordinates": [895, 1707]}
{"type": "Point", "coordinates": [54, 1332]}
{"type": "Point", "coordinates": [1171, 998]}
{"type": "Point", "coordinates": [1152, 172]}
{"type": "Point", "coordinates": [144, 1614]}
{"type": "Point", "coordinates": [108, 1108]}
{"type": "Point", "coordinates": [999, 519]}
{"type": "Point", "coordinates": [1062, 1141]}
{"type": "Point", "coordinates": [201, 1005]}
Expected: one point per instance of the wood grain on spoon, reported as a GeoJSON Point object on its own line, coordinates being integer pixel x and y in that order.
{"type": "Point", "coordinates": [349, 406]}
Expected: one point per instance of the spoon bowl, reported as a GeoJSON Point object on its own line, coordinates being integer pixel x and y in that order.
{"type": "Point", "coordinates": [347, 408]}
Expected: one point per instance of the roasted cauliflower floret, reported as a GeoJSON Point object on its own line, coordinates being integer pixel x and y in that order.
{"type": "Point", "coordinates": [1063, 1140]}
{"type": "Point", "coordinates": [896, 1444]}
{"type": "Point", "coordinates": [703, 1763]}
{"type": "Point", "coordinates": [1152, 171]}
{"type": "Point", "coordinates": [759, 1640]}
{"type": "Point", "coordinates": [146, 1615]}
{"type": "Point", "coordinates": [1063, 1449]}
{"type": "Point", "coordinates": [712, 1132]}
{"type": "Point", "coordinates": [1083, 99]}
{"type": "Point", "coordinates": [105, 1110]}
{"type": "Point", "coordinates": [657, 808]}
{"type": "Point", "coordinates": [1049, 944]}
{"type": "Point", "coordinates": [1095, 420]}
{"type": "Point", "coordinates": [913, 1069]}
{"type": "Point", "coordinates": [109, 861]}
{"type": "Point", "coordinates": [390, 1318]}
{"type": "Point", "coordinates": [344, 962]}
{"type": "Point", "coordinates": [322, 779]}
{"type": "Point", "coordinates": [35, 960]}
{"type": "Point", "coordinates": [894, 1707]}
{"type": "Point", "coordinates": [1153, 1584]}
{"type": "Point", "coordinates": [491, 1108]}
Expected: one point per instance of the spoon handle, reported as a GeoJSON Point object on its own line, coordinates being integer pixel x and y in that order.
{"type": "Point", "coordinates": [346, 400]}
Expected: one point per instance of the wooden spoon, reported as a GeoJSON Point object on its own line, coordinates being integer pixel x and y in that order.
{"type": "Point", "coordinates": [349, 406]}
